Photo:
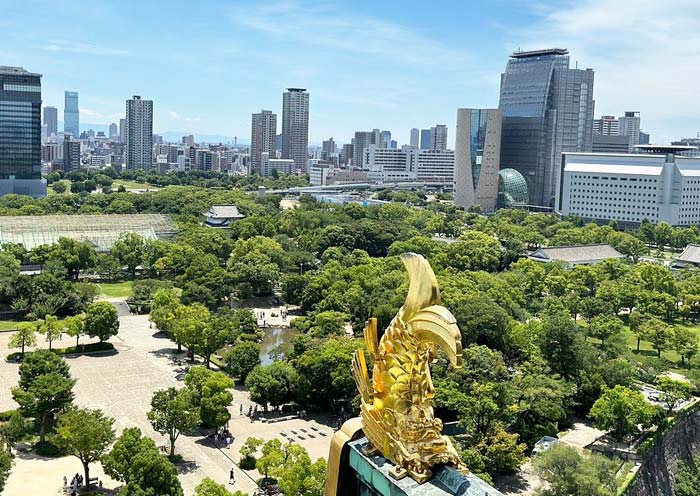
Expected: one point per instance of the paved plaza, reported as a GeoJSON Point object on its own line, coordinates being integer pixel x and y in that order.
{"type": "Point", "coordinates": [121, 384]}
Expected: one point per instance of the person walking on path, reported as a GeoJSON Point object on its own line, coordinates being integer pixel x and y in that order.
{"type": "Point", "coordinates": [231, 478]}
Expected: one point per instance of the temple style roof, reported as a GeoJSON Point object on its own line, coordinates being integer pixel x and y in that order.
{"type": "Point", "coordinates": [576, 254]}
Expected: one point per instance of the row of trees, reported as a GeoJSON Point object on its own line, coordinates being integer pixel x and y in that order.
{"type": "Point", "coordinates": [99, 321]}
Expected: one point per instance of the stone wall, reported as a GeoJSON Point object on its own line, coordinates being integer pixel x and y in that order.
{"type": "Point", "coordinates": [656, 477]}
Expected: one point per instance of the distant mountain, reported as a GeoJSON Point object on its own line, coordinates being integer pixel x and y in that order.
{"type": "Point", "coordinates": [168, 136]}
{"type": "Point", "coordinates": [176, 137]}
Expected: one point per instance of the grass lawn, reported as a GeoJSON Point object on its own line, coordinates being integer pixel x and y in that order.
{"type": "Point", "coordinates": [116, 289]}
{"type": "Point", "coordinates": [8, 325]}
{"type": "Point", "coordinates": [132, 185]}
{"type": "Point", "coordinates": [50, 191]}
{"type": "Point", "coordinates": [646, 348]}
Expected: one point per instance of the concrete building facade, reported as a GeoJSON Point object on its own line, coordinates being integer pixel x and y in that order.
{"type": "Point", "coordinates": [262, 138]}
{"type": "Point", "coordinates": [139, 133]}
{"type": "Point", "coordinates": [629, 188]}
{"type": "Point", "coordinates": [295, 126]}
{"type": "Point", "coordinates": [477, 158]}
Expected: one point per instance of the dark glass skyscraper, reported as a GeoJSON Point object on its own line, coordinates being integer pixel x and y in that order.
{"type": "Point", "coordinates": [71, 114]}
{"type": "Point", "coordinates": [547, 109]}
{"type": "Point", "coordinates": [20, 132]}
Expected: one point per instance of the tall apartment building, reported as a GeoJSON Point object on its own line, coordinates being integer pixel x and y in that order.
{"type": "Point", "coordinates": [51, 121]}
{"type": "Point", "coordinates": [607, 125]}
{"type": "Point", "coordinates": [415, 137]}
{"type": "Point", "coordinates": [547, 110]}
{"type": "Point", "coordinates": [295, 126]}
{"type": "Point", "coordinates": [477, 158]}
{"type": "Point", "coordinates": [408, 164]}
{"type": "Point", "coordinates": [139, 133]}
{"type": "Point", "coordinates": [629, 125]}
{"type": "Point", "coordinates": [71, 154]}
{"type": "Point", "coordinates": [438, 137]}
{"type": "Point", "coordinates": [20, 132]}
{"type": "Point", "coordinates": [122, 130]}
{"type": "Point", "coordinates": [113, 131]}
{"type": "Point", "coordinates": [71, 114]}
{"type": "Point", "coordinates": [262, 138]}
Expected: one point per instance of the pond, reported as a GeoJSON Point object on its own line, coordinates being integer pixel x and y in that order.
{"type": "Point", "coordinates": [275, 337]}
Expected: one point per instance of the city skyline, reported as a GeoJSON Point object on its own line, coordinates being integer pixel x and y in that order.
{"type": "Point", "coordinates": [261, 38]}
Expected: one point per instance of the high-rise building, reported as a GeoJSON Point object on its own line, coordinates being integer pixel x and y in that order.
{"type": "Point", "coordinates": [547, 109]}
{"type": "Point", "coordinates": [346, 153]}
{"type": "Point", "coordinates": [122, 130]}
{"type": "Point", "coordinates": [20, 132]}
{"type": "Point", "coordinates": [415, 137]}
{"type": "Point", "coordinates": [295, 126]}
{"type": "Point", "coordinates": [328, 148]}
{"type": "Point", "coordinates": [607, 125]}
{"type": "Point", "coordinates": [262, 138]}
{"type": "Point", "coordinates": [71, 114]}
{"type": "Point", "coordinates": [51, 121]}
{"type": "Point", "coordinates": [438, 137]}
{"type": "Point", "coordinates": [425, 139]}
{"type": "Point", "coordinates": [477, 158]}
{"type": "Point", "coordinates": [113, 131]}
{"type": "Point", "coordinates": [188, 140]}
{"type": "Point", "coordinates": [71, 154]}
{"type": "Point", "coordinates": [139, 133]}
{"type": "Point", "coordinates": [643, 138]}
{"type": "Point", "coordinates": [361, 141]}
{"type": "Point", "coordinates": [386, 139]}
{"type": "Point", "coordinates": [629, 126]}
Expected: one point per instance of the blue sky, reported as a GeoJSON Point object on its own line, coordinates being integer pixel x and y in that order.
{"type": "Point", "coordinates": [389, 64]}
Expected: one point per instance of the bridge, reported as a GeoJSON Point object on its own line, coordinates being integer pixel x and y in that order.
{"type": "Point", "coordinates": [337, 188]}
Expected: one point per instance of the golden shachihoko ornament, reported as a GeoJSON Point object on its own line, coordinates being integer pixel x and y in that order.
{"type": "Point", "coordinates": [397, 417]}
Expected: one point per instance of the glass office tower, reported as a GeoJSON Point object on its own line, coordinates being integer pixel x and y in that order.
{"type": "Point", "coordinates": [71, 114]}
{"type": "Point", "coordinates": [20, 132]}
{"type": "Point", "coordinates": [547, 109]}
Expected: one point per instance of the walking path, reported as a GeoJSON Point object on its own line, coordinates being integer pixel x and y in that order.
{"type": "Point", "coordinates": [122, 384]}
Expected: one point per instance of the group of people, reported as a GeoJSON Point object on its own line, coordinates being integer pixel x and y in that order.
{"type": "Point", "coordinates": [223, 438]}
{"type": "Point", "coordinates": [75, 483]}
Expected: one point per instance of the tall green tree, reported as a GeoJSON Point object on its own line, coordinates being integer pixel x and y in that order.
{"type": "Point", "coordinates": [674, 392]}
{"type": "Point", "coordinates": [101, 320]}
{"type": "Point", "coordinates": [38, 363]}
{"type": "Point", "coordinates": [23, 337]}
{"type": "Point", "coordinates": [85, 434]}
{"type": "Point", "coordinates": [129, 250]}
{"type": "Point", "coordinates": [46, 396]}
{"type": "Point", "coordinates": [50, 328]}
{"type": "Point", "coordinates": [152, 475]}
{"type": "Point", "coordinates": [172, 412]}
{"type": "Point", "coordinates": [118, 462]}
{"type": "Point", "coordinates": [242, 359]}
{"type": "Point", "coordinates": [621, 409]}
{"type": "Point", "coordinates": [569, 473]}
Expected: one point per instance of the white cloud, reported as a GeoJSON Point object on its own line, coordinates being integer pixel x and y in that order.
{"type": "Point", "coordinates": [645, 53]}
{"type": "Point", "coordinates": [177, 117]}
{"type": "Point", "coordinates": [322, 24]}
{"type": "Point", "coordinates": [78, 47]}
{"type": "Point", "coordinates": [90, 113]}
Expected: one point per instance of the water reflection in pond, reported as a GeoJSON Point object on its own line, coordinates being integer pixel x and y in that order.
{"type": "Point", "coordinates": [276, 340]}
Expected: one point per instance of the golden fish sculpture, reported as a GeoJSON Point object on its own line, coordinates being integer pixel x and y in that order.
{"type": "Point", "coordinates": [397, 417]}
